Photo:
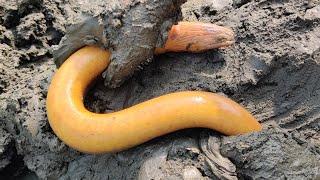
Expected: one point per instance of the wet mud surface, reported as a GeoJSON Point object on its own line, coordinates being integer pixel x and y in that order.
{"type": "Point", "coordinates": [272, 70]}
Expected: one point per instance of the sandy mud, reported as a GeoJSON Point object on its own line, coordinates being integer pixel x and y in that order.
{"type": "Point", "coordinates": [272, 70]}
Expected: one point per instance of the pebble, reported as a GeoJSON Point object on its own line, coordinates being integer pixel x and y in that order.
{"type": "Point", "coordinates": [313, 14]}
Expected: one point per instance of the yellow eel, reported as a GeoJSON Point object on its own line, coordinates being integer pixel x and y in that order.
{"type": "Point", "coordinates": [100, 133]}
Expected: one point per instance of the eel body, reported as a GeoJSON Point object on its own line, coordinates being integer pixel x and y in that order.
{"type": "Point", "coordinates": [99, 133]}
{"type": "Point", "coordinates": [196, 37]}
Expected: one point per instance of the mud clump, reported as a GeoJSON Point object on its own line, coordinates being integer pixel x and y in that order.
{"type": "Point", "coordinates": [272, 70]}
{"type": "Point", "coordinates": [278, 149]}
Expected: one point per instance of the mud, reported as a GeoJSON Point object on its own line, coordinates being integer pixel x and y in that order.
{"type": "Point", "coordinates": [129, 29]}
{"type": "Point", "coordinates": [272, 70]}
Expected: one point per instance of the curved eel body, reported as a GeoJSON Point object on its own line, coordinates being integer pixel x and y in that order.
{"type": "Point", "coordinates": [98, 133]}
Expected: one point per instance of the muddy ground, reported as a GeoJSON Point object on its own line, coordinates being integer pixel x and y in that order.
{"type": "Point", "coordinates": [272, 70]}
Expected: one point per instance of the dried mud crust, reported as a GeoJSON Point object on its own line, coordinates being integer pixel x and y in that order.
{"type": "Point", "coordinates": [273, 70]}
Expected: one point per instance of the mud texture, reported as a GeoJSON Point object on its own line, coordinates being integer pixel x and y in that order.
{"type": "Point", "coordinates": [129, 29]}
{"type": "Point", "coordinates": [272, 70]}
